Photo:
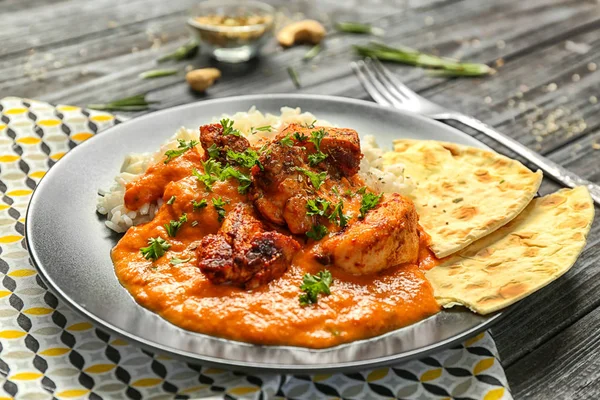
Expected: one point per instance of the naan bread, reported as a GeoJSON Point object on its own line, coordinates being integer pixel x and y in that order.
{"type": "Point", "coordinates": [534, 249]}
{"type": "Point", "coordinates": [462, 193]}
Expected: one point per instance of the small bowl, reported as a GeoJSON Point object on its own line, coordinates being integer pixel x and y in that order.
{"type": "Point", "coordinates": [234, 31]}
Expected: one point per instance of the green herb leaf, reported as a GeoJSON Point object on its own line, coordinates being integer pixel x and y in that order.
{"type": "Point", "coordinates": [213, 151]}
{"type": "Point", "coordinates": [405, 55]}
{"type": "Point", "coordinates": [317, 232]}
{"type": "Point", "coordinates": [362, 190]}
{"type": "Point", "coordinates": [173, 226]}
{"type": "Point", "coordinates": [312, 53]}
{"type": "Point", "coordinates": [228, 128]}
{"type": "Point", "coordinates": [244, 179]}
{"type": "Point", "coordinates": [177, 261]}
{"type": "Point", "coordinates": [311, 125]}
{"type": "Point", "coordinates": [212, 170]}
{"type": "Point", "coordinates": [317, 207]}
{"type": "Point", "coordinates": [457, 200]}
{"type": "Point", "coordinates": [133, 103]}
{"type": "Point", "coordinates": [313, 285]}
{"type": "Point", "coordinates": [294, 77]}
{"type": "Point", "coordinates": [247, 159]}
{"type": "Point", "coordinates": [316, 179]}
{"type": "Point", "coordinates": [369, 201]}
{"type": "Point", "coordinates": [301, 137]}
{"type": "Point", "coordinates": [171, 200]}
{"type": "Point", "coordinates": [316, 158]}
{"type": "Point", "coordinates": [156, 248]}
{"type": "Point", "coordinates": [218, 204]}
{"type": "Point", "coordinates": [357, 27]}
{"type": "Point", "coordinates": [287, 141]}
{"type": "Point", "coordinates": [199, 205]}
{"type": "Point", "coordinates": [157, 73]}
{"type": "Point", "coordinates": [337, 215]}
{"type": "Point", "coordinates": [266, 128]}
{"type": "Point", "coordinates": [182, 148]}
{"type": "Point", "coordinates": [188, 50]}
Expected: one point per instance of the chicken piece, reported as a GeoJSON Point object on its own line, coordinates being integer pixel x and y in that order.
{"type": "Point", "coordinates": [342, 146]}
{"type": "Point", "coordinates": [151, 186]}
{"type": "Point", "coordinates": [281, 189]}
{"type": "Point", "coordinates": [213, 135]}
{"type": "Point", "coordinates": [388, 236]}
{"type": "Point", "coordinates": [243, 252]}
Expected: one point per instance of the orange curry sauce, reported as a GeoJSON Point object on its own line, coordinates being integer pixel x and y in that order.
{"type": "Point", "coordinates": [359, 307]}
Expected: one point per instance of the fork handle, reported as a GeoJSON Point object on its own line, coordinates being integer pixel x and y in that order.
{"type": "Point", "coordinates": [550, 168]}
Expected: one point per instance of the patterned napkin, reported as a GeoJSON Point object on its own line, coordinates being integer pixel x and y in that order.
{"type": "Point", "coordinates": [48, 351]}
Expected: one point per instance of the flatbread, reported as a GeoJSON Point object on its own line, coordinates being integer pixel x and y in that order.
{"type": "Point", "coordinates": [462, 193]}
{"type": "Point", "coordinates": [528, 253]}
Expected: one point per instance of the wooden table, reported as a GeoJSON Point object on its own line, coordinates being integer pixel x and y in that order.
{"type": "Point", "coordinates": [544, 94]}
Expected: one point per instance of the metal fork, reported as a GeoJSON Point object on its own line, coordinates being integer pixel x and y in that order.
{"type": "Point", "coordinates": [387, 90]}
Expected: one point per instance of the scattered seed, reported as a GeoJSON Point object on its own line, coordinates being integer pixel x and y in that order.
{"type": "Point", "coordinates": [575, 78]}
{"type": "Point", "coordinates": [596, 146]}
{"type": "Point", "coordinates": [488, 100]}
{"type": "Point", "coordinates": [499, 62]}
{"type": "Point", "coordinates": [592, 66]}
{"type": "Point", "coordinates": [551, 87]}
{"type": "Point", "coordinates": [593, 99]}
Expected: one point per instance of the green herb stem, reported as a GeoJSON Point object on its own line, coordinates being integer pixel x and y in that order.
{"type": "Point", "coordinates": [294, 77]}
{"type": "Point", "coordinates": [186, 51]}
{"type": "Point", "coordinates": [157, 73]}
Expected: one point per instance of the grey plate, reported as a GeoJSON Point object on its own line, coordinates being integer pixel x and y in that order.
{"type": "Point", "coordinates": [70, 245]}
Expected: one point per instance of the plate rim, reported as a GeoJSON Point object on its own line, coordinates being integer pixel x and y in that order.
{"type": "Point", "coordinates": [246, 365]}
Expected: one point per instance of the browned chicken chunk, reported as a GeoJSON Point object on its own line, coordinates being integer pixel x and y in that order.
{"type": "Point", "coordinates": [213, 139]}
{"type": "Point", "coordinates": [243, 252]}
{"type": "Point", "coordinates": [341, 145]}
{"type": "Point", "coordinates": [282, 187]}
{"type": "Point", "coordinates": [387, 236]}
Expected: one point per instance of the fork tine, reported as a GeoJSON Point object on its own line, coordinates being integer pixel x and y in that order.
{"type": "Point", "coordinates": [384, 76]}
{"type": "Point", "coordinates": [375, 81]}
{"type": "Point", "coordinates": [395, 82]}
{"type": "Point", "coordinates": [367, 85]}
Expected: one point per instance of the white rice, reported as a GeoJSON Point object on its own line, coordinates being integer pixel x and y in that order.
{"type": "Point", "coordinates": [387, 179]}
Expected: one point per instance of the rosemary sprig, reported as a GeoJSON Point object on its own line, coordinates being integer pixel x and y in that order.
{"type": "Point", "coordinates": [157, 73]}
{"type": "Point", "coordinates": [133, 103]}
{"type": "Point", "coordinates": [294, 77]}
{"type": "Point", "coordinates": [357, 27]}
{"type": "Point", "coordinates": [186, 51]}
{"type": "Point", "coordinates": [312, 53]}
{"type": "Point", "coordinates": [404, 55]}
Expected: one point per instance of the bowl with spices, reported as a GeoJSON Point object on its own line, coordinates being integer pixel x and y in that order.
{"type": "Point", "coordinates": [233, 31]}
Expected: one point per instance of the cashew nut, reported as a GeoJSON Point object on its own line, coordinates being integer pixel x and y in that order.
{"type": "Point", "coordinates": [306, 31]}
{"type": "Point", "coordinates": [203, 78]}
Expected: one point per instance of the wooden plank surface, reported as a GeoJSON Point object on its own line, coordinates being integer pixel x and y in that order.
{"type": "Point", "coordinates": [544, 94]}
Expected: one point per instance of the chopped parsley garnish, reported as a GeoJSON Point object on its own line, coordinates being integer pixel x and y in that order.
{"type": "Point", "coordinates": [244, 179]}
{"type": "Point", "coordinates": [173, 226]}
{"type": "Point", "coordinates": [182, 148]}
{"type": "Point", "coordinates": [316, 179]}
{"type": "Point", "coordinates": [317, 207]}
{"type": "Point", "coordinates": [218, 204]}
{"type": "Point", "coordinates": [457, 200]}
{"type": "Point", "coordinates": [286, 141]}
{"type": "Point", "coordinates": [311, 125]}
{"type": "Point", "coordinates": [171, 200]}
{"type": "Point", "coordinates": [314, 159]}
{"type": "Point", "coordinates": [266, 128]}
{"type": "Point", "coordinates": [348, 193]}
{"type": "Point", "coordinates": [177, 261]}
{"type": "Point", "coordinates": [316, 138]}
{"type": "Point", "coordinates": [313, 285]}
{"type": "Point", "coordinates": [247, 159]}
{"type": "Point", "coordinates": [228, 128]}
{"type": "Point", "coordinates": [156, 248]}
{"type": "Point", "coordinates": [362, 190]}
{"type": "Point", "coordinates": [213, 151]}
{"type": "Point", "coordinates": [301, 137]}
{"type": "Point", "coordinates": [317, 232]}
{"type": "Point", "coordinates": [199, 205]}
{"type": "Point", "coordinates": [337, 215]}
{"type": "Point", "coordinates": [335, 190]}
{"type": "Point", "coordinates": [212, 170]}
{"type": "Point", "coordinates": [369, 201]}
